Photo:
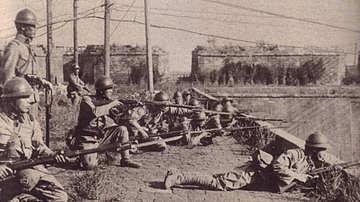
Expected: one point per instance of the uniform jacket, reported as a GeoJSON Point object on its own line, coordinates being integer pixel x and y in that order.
{"type": "Point", "coordinates": [21, 137]}
{"type": "Point", "coordinates": [94, 114]}
{"type": "Point", "coordinates": [292, 163]}
{"type": "Point", "coordinates": [18, 59]}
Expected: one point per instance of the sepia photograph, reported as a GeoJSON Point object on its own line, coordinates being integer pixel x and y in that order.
{"type": "Point", "coordinates": [179, 100]}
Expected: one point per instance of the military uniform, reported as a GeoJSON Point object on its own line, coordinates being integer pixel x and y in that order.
{"type": "Point", "coordinates": [21, 138]}
{"type": "Point", "coordinates": [289, 166]}
{"type": "Point", "coordinates": [76, 88]}
{"type": "Point", "coordinates": [96, 128]}
{"type": "Point", "coordinates": [19, 60]}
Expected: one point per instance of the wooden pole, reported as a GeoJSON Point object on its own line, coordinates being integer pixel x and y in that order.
{"type": "Point", "coordinates": [48, 66]}
{"type": "Point", "coordinates": [76, 57]}
{"type": "Point", "coordinates": [107, 39]}
{"type": "Point", "coordinates": [148, 48]}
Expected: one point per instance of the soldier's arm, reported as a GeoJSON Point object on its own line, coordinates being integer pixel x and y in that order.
{"type": "Point", "coordinates": [10, 59]}
{"type": "Point", "coordinates": [98, 111]}
{"type": "Point", "coordinates": [137, 114]}
{"type": "Point", "coordinates": [283, 166]}
{"type": "Point", "coordinates": [77, 85]}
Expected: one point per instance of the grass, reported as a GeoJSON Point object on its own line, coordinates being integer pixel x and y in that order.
{"type": "Point", "coordinates": [89, 185]}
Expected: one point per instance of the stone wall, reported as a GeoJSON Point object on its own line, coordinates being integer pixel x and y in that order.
{"type": "Point", "coordinates": [204, 60]}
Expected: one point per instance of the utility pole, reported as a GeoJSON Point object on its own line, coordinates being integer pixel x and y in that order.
{"type": "Point", "coordinates": [148, 48]}
{"type": "Point", "coordinates": [107, 39]}
{"type": "Point", "coordinates": [356, 54]}
{"type": "Point", "coordinates": [76, 57]}
{"type": "Point", "coordinates": [48, 67]}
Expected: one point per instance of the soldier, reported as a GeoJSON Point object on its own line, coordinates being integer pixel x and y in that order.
{"type": "Point", "coordinates": [178, 98]}
{"type": "Point", "coordinates": [187, 97]}
{"type": "Point", "coordinates": [289, 166]}
{"type": "Point", "coordinates": [21, 138]}
{"type": "Point", "coordinates": [76, 88]}
{"type": "Point", "coordinates": [19, 59]}
{"type": "Point", "coordinates": [96, 128]}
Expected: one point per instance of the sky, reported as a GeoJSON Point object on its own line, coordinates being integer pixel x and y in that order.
{"type": "Point", "coordinates": [181, 25]}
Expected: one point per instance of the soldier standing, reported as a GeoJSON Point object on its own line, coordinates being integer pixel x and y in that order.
{"type": "Point", "coordinates": [21, 138]}
{"type": "Point", "coordinates": [19, 59]}
{"type": "Point", "coordinates": [76, 88]}
{"type": "Point", "coordinates": [96, 127]}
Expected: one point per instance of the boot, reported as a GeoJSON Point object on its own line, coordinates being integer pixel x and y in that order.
{"type": "Point", "coordinates": [129, 163]}
{"type": "Point", "coordinates": [202, 180]}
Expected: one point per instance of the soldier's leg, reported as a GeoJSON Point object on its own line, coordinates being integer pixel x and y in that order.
{"type": "Point", "coordinates": [119, 134]}
{"type": "Point", "coordinates": [229, 181]}
{"type": "Point", "coordinates": [201, 179]}
{"type": "Point", "coordinates": [88, 161]}
{"type": "Point", "coordinates": [49, 189]}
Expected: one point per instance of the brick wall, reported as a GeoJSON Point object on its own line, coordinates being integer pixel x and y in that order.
{"type": "Point", "coordinates": [204, 61]}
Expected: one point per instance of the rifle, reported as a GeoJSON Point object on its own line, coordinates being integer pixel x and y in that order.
{"type": "Point", "coordinates": [242, 116]}
{"type": "Point", "coordinates": [181, 132]}
{"type": "Point", "coordinates": [155, 103]}
{"type": "Point", "coordinates": [317, 171]}
{"type": "Point", "coordinates": [19, 165]}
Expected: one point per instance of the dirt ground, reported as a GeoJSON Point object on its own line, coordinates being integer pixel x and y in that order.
{"type": "Point", "coordinates": [112, 183]}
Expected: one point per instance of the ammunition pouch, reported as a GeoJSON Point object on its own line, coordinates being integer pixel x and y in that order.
{"type": "Point", "coordinates": [262, 158]}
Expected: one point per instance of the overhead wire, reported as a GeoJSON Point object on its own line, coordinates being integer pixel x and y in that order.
{"type": "Point", "coordinates": [279, 15]}
{"type": "Point", "coordinates": [229, 21]}
{"type": "Point", "coordinates": [122, 18]}
{"type": "Point", "coordinates": [222, 37]}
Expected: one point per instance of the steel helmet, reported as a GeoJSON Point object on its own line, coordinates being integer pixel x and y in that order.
{"type": "Point", "coordinates": [225, 99]}
{"type": "Point", "coordinates": [317, 140]}
{"type": "Point", "coordinates": [218, 108]}
{"type": "Point", "coordinates": [74, 66]}
{"type": "Point", "coordinates": [16, 87]}
{"type": "Point", "coordinates": [161, 96]}
{"type": "Point", "coordinates": [195, 102]}
{"type": "Point", "coordinates": [104, 83]}
{"type": "Point", "coordinates": [185, 93]}
{"type": "Point", "coordinates": [177, 94]}
{"type": "Point", "coordinates": [200, 116]}
{"type": "Point", "coordinates": [26, 16]}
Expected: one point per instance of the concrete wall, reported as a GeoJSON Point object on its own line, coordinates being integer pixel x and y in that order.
{"type": "Point", "coordinates": [335, 111]}
{"type": "Point", "coordinates": [334, 64]}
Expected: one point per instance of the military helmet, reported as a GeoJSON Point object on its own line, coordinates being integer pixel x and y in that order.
{"type": "Point", "coordinates": [225, 99]}
{"type": "Point", "coordinates": [186, 93]}
{"type": "Point", "coordinates": [26, 16]}
{"type": "Point", "coordinates": [161, 96]}
{"type": "Point", "coordinates": [317, 140]}
{"type": "Point", "coordinates": [218, 108]}
{"type": "Point", "coordinates": [75, 66]}
{"type": "Point", "coordinates": [16, 87]}
{"type": "Point", "coordinates": [177, 94]}
{"type": "Point", "coordinates": [194, 102]}
{"type": "Point", "coordinates": [104, 83]}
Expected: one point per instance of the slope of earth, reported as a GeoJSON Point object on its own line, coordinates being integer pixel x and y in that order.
{"type": "Point", "coordinates": [112, 183]}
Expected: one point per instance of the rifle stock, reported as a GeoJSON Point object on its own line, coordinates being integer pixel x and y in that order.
{"type": "Point", "coordinates": [321, 170]}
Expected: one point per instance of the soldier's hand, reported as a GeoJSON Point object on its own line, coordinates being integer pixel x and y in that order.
{"type": "Point", "coordinates": [116, 102]}
{"type": "Point", "coordinates": [47, 84]}
{"type": "Point", "coordinates": [305, 177]}
{"type": "Point", "coordinates": [5, 171]}
{"type": "Point", "coordinates": [60, 158]}
{"type": "Point", "coordinates": [144, 135]}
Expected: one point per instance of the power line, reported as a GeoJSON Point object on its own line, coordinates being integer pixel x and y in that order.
{"type": "Point", "coordinates": [279, 15]}
{"type": "Point", "coordinates": [228, 21]}
{"type": "Point", "coordinates": [122, 18]}
{"type": "Point", "coordinates": [221, 37]}
{"type": "Point", "coordinates": [226, 14]}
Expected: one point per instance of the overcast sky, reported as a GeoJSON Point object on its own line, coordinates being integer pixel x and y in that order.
{"type": "Point", "coordinates": [323, 23]}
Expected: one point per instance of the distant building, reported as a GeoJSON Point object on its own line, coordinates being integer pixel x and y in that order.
{"type": "Point", "coordinates": [207, 59]}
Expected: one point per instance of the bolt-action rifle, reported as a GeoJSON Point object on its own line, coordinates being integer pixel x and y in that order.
{"type": "Point", "coordinates": [182, 132]}
{"type": "Point", "coordinates": [317, 171]}
{"type": "Point", "coordinates": [22, 164]}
